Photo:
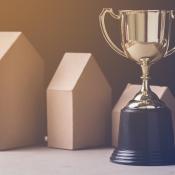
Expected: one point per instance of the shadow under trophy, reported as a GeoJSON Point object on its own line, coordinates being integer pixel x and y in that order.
{"type": "Point", "coordinates": [145, 132]}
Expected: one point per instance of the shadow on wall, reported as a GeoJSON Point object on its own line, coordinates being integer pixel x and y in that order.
{"type": "Point", "coordinates": [55, 27]}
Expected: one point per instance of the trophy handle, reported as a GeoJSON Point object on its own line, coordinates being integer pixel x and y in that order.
{"type": "Point", "coordinates": [171, 51]}
{"type": "Point", "coordinates": [104, 31]}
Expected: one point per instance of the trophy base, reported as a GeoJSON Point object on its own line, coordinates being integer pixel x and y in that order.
{"type": "Point", "coordinates": [144, 158]}
{"type": "Point", "coordinates": [145, 138]}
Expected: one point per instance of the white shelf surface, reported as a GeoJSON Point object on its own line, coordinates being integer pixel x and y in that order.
{"type": "Point", "coordinates": [45, 161]}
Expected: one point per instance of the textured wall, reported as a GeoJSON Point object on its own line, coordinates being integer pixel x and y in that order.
{"type": "Point", "coordinates": [56, 26]}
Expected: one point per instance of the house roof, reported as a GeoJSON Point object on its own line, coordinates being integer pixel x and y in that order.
{"type": "Point", "coordinates": [69, 71]}
{"type": "Point", "coordinates": [7, 39]}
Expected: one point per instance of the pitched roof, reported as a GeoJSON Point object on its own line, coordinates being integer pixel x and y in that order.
{"type": "Point", "coordinates": [69, 71]}
{"type": "Point", "coordinates": [7, 39]}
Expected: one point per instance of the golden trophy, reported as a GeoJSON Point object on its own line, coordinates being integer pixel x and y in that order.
{"type": "Point", "coordinates": [146, 132]}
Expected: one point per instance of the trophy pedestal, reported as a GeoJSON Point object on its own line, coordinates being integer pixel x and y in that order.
{"type": "Point", "coordinates": [145, 137]}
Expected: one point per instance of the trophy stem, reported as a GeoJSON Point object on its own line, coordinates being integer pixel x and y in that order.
{"type": "Point", "coordinates": [145, 98]}
{"type": "Point", "coordinates": [145, 65]}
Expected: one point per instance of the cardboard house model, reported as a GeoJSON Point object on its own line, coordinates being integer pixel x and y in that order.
{"type": "Point", "coordinates": [78, 104]}
{"type": "Point", "coordinates": [162, 92]}
{"type": "Point", "coordinates": [21, 92]}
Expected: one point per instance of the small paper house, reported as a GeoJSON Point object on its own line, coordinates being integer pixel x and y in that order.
{"type": "Point", "coordinates": [162, 92]}
{"type": "Point", "coordinates": [21, 92]}
{"type": "Point", "coordinates": [78, 104]}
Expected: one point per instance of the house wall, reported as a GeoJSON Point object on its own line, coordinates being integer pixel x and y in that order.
{"type": "Point", "coordinates": [92, 109]}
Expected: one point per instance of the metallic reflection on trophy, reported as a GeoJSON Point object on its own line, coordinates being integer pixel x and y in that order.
{"type": "Point", "coordinates": [145, 40]}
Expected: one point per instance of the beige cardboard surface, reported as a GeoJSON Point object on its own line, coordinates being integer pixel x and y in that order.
{"type": "Point", "coordinates": [78, 111]}
{"type": "Point", "coordinates": [21, 92]}
{"type": "Point", "coordinates": [60, 127]}
{"type": "Point", "coordinates": [69, 71]}
{"type": "Point", "coordinates": [163, 93]}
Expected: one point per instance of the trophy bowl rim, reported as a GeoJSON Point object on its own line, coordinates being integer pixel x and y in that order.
{"type": "Point", "coordinates": [145, 10]}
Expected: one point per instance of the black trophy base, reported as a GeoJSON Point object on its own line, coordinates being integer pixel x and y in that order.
{"type": "Point", "coordinates": [145, 138]}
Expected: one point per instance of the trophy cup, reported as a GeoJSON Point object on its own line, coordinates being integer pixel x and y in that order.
{"type": "Point", "coordinates": [146, 132]}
